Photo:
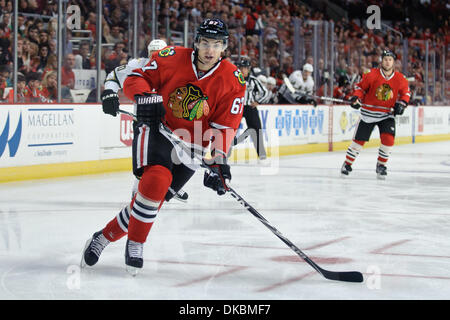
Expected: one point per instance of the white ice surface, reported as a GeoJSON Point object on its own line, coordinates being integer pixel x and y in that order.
{"type": "Point", "coordinates": [397, 232]}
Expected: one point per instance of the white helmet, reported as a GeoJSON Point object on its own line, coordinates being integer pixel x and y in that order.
{"type": "Point", "coordinates": [308, 67]}
{"type": "Point", "coordinates": [272, 81]}
{"type": "Point", "coordinates": [262, 78]}
{"type": "Point", "coordinates": [156, 45]}
{"type": "Point", "coordinates": [257, 71]}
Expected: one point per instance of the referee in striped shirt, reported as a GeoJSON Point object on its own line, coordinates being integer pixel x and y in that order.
{"type": "Point", "coordinates": [255, 94]}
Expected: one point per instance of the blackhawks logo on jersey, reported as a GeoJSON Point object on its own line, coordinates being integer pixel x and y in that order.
{"type": "Point", "coordinates": [188, 103]}
{"type": "Point", "coordinates": [384, 92]}
{"type": "Point", "coordinates": [238, 74]}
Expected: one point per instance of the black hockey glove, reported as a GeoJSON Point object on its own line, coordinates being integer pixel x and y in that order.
{"type": "Point", "coordinates": [150, 109]}
{"type": "Point", "coordinates": [355, 103]}
{"type": "Point", "coordinates": [400, 107]}
{"type": "Point", "coordinates": [301, 99]}
{"type": "Point", "coordinates": [313, 102]}
{"type": "Point", "coordinates": [306, 100]}
{"type": "Point", "coordinates": [110, 102]}
{"type": "Point", "coordinates": [216, 176]}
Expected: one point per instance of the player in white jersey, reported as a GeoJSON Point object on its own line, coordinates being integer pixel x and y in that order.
{"type": "Point", "coordinates": [110, 99]}
{"type": "Point", "coordinates": [303, 84]}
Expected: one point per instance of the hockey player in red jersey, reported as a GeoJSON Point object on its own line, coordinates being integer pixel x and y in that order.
{"type": "Point", "coordinates": [388, 90]}
{"type": "Point", "coordinates": [199, 97]}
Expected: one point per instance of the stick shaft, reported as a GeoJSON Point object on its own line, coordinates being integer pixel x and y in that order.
{"type": "Point", "coordinates": [346, 101]}
{"type": "Point", "coordinates": [128, 113]}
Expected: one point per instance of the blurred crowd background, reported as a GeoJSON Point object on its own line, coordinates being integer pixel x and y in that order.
{"type": "Point", "coordinates": [277, 36]}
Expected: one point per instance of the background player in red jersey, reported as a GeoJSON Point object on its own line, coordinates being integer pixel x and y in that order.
{"type": "Point", "coordinates": [386, 89]}
{"type": "Point", "coordinates": [198, 96]}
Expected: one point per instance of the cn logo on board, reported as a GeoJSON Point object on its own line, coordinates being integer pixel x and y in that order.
{"type": "Point", "coordinates": [13, 141]}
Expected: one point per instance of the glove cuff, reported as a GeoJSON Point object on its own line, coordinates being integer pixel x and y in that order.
{"type": "Point", "coordinates": [148, 99]}
{"type": "Point", "coordinates": [107, 94]}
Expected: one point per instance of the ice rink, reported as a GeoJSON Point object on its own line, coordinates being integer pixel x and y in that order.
{"type": "Point", "coordinates": [395, 231]}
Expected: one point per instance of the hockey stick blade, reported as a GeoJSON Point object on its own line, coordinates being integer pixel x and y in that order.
{"type": "Point", "coordinates": [347, 276]}
{"type": "Point", "coordinates": [288, 84]}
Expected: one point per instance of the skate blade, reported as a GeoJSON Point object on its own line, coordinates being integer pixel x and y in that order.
{"type": "Point", "coordinates": [180, 199]}
{"type": "Point", "coordinates": [133, 270]}
{"type": "Point", "coordinates": [379, 177]}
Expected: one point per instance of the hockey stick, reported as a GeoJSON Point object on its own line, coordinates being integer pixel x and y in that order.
{"type": "Point", "coordinates": [291, 88]}
{"type": "Point", "coordinates": [348, 102]}
{"type": "Point", "coordinates": [347, 276]}
{"type": "Point", "coordinates": [288, 84]}
{"type": "Point", "coordinates": [128, 113]}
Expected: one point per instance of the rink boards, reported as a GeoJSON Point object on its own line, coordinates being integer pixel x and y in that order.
{"type": "Point", "coordinates": [42, 141]}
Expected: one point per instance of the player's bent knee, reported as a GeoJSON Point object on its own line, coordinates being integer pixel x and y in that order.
{"type": "Point", "coordinates": [387, 139]}
{"type": "Point", "coordinates": [155, 182]}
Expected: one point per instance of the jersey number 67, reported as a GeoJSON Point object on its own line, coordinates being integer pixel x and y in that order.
{"type": "Point", "coordinates": [238, 106]}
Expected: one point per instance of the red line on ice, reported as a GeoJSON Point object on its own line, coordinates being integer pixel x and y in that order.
{"type": "Point", "coordinates": [397, 243]}
{"type": "Point", "coordinates": [389, 246]}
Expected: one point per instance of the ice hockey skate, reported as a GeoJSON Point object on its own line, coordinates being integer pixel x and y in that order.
{"type": "Point", "coordinates": [181, 196]}
{"type": "Point", "coordinates": [345, 169]}
{"type": "Point", "coordinates": [134, 257]}
{"type": "Point", "coordinates": [381, 171]}
{"type": "Point", "coordinates": [93, 249]}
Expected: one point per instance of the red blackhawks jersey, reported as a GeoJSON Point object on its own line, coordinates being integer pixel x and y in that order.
{"type": "Point", "coordinates": [195, 104]}
{"type": "Point", "coordinates": [376, 89]}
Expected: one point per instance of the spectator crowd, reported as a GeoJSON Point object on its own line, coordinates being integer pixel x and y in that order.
{"type": "Point", "coordinates": [249, 21]}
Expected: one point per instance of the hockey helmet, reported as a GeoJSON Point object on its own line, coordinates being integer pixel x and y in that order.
{"type": "Point", "coordinates": [213, 28]}
{"type": "Point", "coordinates": [343, 81]}
{"type": "Point", "coordinates": [257, 71]}
{"type": "Point", "coordinates": [243, 63]}
{"type": "Point", "coordinates": [262, 78]}
{"type": "Point", "coordinates": [388, 53]}
{"type": "Point", "coordinates": [156, 45]}
{"type": "Point", "coordinates": [21, 77]}
{"type": "Point", "coordinates": [308, 67]}
{"type": "Point", "coordinates": [272, 81]}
